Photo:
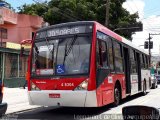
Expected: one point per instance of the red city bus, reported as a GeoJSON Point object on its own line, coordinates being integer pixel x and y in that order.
{"type": "Point", "coordinates": [84, 64]}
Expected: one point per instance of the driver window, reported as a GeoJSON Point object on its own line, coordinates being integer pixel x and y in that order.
{"type": "Point", "coordinates": [102, 54]}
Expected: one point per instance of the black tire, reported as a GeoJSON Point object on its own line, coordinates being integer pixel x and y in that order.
{"type": "Point", "coordinates": [117, 96]}
{"type": "Point", "coordinates": [154, 85]}
{"type": "Point", "coordinates": [144, 88]}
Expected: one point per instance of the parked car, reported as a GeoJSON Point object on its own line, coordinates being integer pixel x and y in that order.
{"type": "Point", "coordinates": [158, 78]}
{"type": "Point", "coordinates": [3, 106]}
{"type": "Point", "coordinates": [153, 81]}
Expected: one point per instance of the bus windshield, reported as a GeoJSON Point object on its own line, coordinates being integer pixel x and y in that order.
{"type": "Point", "coordinates": [63, 56]}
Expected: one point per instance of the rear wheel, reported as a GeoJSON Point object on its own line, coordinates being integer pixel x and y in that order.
{"type": "Point", "coordinates": [117, 95]}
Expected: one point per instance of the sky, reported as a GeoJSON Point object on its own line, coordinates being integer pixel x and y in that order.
{"type": "Point", "coordinates": [149, 14]}
{"type": "Point", "coordinates": [17, 3]}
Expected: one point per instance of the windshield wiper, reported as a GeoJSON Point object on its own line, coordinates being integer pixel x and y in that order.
{"type": "Point", "coordinates": [69, 48]}
{"type": "Point", "coordinates": [36, 49]}
{"type": "Point", "coordinates": [51, 50]}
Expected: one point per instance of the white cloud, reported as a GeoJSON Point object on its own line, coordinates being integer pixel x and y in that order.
{"type": "Point", "coordinates": [134, 6]}
{"type": "Point", "coordinates": [150, 25]}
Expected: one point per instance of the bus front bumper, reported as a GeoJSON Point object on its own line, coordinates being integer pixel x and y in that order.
{"type": "Point", "coordinates": [63, 98]}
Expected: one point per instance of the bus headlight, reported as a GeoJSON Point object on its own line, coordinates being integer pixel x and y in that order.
{"type": "Point", "coordinates": [83, 85]}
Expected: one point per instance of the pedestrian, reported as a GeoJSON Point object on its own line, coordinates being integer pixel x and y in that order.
{"type": "Point", "coordinates": [25, 84]}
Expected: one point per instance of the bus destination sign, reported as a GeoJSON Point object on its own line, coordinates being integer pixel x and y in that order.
{"type": "Point", "coordinates": [64, 31]}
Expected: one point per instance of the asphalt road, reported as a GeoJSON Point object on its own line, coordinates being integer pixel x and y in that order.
{"type": "Point", "coordinates": [106, 112]}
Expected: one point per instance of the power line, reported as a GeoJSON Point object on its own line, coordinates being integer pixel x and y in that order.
{"type": "Point", "coordinates": [60, 11]}
{"type": "Point", "coordinates": [137, 10]}
{"type": "Point", "coordinates": [148, 24]}
{"type": "Point", "coordinates": [147, 17]}
{"type": "Point", "coordinates": [152, 12]}
{"type": "Point", "coordinates": [153, 9]}
{"type": "Point", "coordinates": [155, 28]}
{"type": "Point", "coordinates": [107, 13]}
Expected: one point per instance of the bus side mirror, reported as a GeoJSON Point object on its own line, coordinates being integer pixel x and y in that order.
{"type": "Point", "coordinates": [22, 51]}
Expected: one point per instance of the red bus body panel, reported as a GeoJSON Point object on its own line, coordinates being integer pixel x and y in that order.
{"type": "Point", "coordinates": [58, 84]}
{"type": "Point", "coordinates": [105, 92]}
{"type": "Point", "coordinates": [103, 29]}
{"type": "Point", "coordinates": [92, 81]}
{"type": "Point", "coordinates": [29, 64]}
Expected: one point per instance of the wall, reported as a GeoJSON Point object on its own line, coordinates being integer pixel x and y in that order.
{"type": "Point", "coordinates": [19, 26]}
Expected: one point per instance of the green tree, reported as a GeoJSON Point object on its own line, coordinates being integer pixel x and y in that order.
{"type": "Point", "coordinates": [34, 9]}
{"type": "Point", "coordinates": [59, 11]}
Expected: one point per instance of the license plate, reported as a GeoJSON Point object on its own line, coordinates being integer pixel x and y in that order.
{"type": "Point", "coordinates": [53, 95]}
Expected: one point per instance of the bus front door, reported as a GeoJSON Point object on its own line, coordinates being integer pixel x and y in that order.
{"type": "Point", "coordinates": [138, 71]}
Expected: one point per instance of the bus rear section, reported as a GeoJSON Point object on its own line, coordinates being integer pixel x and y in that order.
{"type": "Point", "coordinates": [62, 67]}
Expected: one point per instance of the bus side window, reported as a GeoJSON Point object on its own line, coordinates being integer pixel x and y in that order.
{"type": "Point", "coordinates": [102, 54]}
{"type": "Point", "coordinates": [142, 61]}
{"type": "Point", "coordinates": [133, 61]}
{"type": "Point", "coordinates": [98, 61]}
{"type": "Point", "coordinates": [110, 54]}
{"type": "Point", "coordinates": [118, 57]}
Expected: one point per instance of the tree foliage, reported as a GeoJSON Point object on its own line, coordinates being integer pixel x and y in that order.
{"type": "Point", "coordinates": [59, 11]}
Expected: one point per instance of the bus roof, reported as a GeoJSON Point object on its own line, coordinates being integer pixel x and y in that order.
{"type": "Point", "coordinates": [119, 38]}
{"type": "Point", "coordinates": [133, 45]}
{"type": "Point", "coordinates": [105, 30]}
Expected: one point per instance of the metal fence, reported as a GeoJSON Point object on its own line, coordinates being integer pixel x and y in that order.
{"type": "Point", "coordinates": [15, 66]}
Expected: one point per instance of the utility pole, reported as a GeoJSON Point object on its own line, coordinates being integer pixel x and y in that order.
{"type": "Point", "coordinates": [1, 36]}
{"type": "Point", "coordinates": [149, 49]}
{"type": "Point", "coordinates": [107, 13]}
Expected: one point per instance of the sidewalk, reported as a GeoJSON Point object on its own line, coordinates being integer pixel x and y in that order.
{"type": "Point", "coordinates": [16, 99]}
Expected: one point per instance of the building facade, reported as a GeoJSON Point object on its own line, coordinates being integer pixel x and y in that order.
{"type": "Point", "coordinates": [14, 28]}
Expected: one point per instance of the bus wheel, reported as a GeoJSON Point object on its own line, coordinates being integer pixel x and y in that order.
{"type": "Point", "coordinates": [116, 96]}
{"type": "Point", "coordinates": [144, 88]}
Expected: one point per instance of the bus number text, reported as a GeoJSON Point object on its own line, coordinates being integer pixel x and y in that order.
{"type": "Point", "coordinates": [67, 84]}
